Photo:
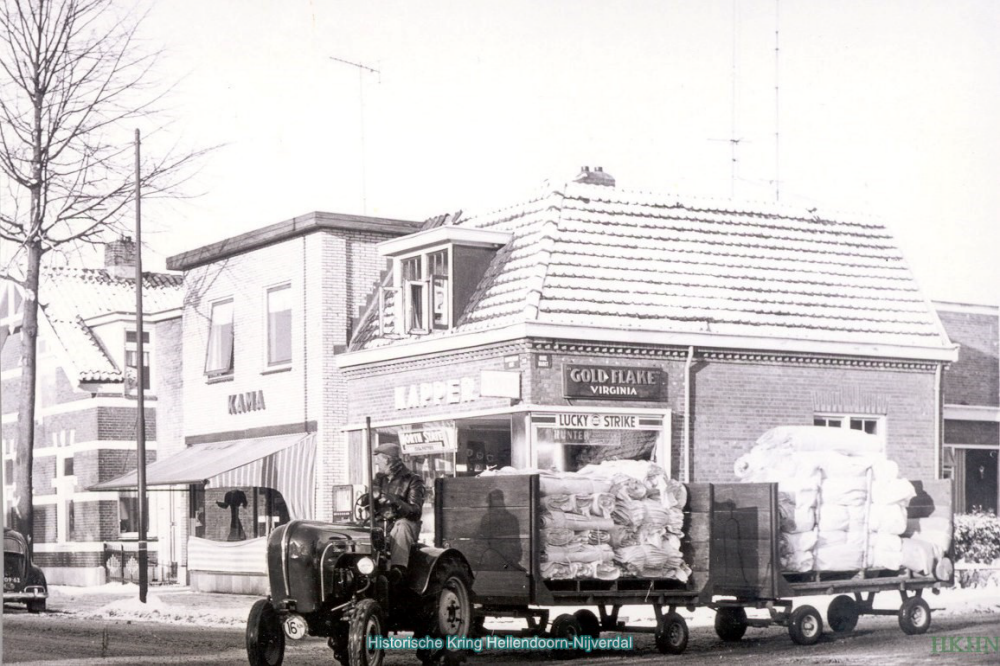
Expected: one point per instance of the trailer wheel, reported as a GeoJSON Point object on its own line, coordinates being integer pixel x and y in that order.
{"type": "Point", "coordinates": [568, 627]}
{"type": "Point", "coordinates": [265, 640]}
{"type": "Point", "coordinates": [805, 625]}
{"type": "Point", "coordinates": [589, 624]}
{"type": "Point", "coordinates": [914, 616]}
{"type": "Point", "coordinates": [365, 621]}
{"type": "Point", "coordinates": [730, 623]}
{"type": "Point", "coordinates": [842, 615]}
{"type": "Point", "coordinates": [672, 634]}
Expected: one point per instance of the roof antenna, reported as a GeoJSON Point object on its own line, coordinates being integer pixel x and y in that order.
{"type": "Point", "coordinates": [733, 140]}
{"type": "Point", "coordinates": [777, 117]}
{"type": "Point", "coordinates": [361, 97]}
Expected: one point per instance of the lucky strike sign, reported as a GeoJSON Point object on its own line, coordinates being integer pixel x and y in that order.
{"type": "Point", "coordinates": [612, 383]}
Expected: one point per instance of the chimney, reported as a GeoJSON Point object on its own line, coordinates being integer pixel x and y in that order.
{"type": "Point", "coordinates": [595, 176]}
{"type": "Point", "coordinates": [119, 258]}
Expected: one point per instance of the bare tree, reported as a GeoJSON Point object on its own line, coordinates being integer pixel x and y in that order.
{"type": "Point", "coordinates": [72, 76]}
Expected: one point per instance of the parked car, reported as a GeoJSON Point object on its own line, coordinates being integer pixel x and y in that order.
{"type": "Point", "coordinates": [23, 582]}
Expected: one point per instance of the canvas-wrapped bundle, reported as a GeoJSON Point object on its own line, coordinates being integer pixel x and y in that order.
{"type": "Point", "coordinates": [842, 503]}
{"type": "Point", "coordinates": [617, 518]}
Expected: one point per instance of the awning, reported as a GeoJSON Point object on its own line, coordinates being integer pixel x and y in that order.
{"type": "Point", "coordinates": [285, 463]}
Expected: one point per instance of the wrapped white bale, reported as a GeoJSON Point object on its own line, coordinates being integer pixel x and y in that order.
{"type": "Point", "coordinates": [919, 555]}
{"type": "Point", "coordinates": [843, 557]}
{"type": "Point", "coordinates": [884, 469]}
{"type": "Point", "coordinates": [818, 438]}
{"type": "Point", "coordinates": [881, 558]}
{"type": "Point", "coordinates": [796, 551]}
{"type": "Point", "coordinates": [887, 518]}
{"type": "Point", "coordinates": [894, 491]}
{"type": "Point", "coordinates": [844, 491]}
{"type": "Point", "coordinates": [933, 530]}
{"type": "Point", "coordinates": [887, 542]}
{"type": "Point", "coordinates": [838, 465]}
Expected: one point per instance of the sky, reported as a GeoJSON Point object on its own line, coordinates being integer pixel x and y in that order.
{"type": "Point", "coordinates": [883, 107]}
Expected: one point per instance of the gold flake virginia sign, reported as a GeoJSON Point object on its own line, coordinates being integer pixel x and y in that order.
{"type": "Point", "coordinates": [601, 382]}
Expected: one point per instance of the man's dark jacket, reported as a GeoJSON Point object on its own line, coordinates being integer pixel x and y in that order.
{"type": "Point", "coordinates": [403, 490]}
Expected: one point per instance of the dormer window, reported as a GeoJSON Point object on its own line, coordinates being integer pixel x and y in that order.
{"type": "Point", "coordinates": [427, 294]}
{"type": "Point", "coordinates": [426, 291]}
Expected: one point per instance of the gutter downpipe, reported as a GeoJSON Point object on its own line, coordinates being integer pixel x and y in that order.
{"type": "Point", "coordinates": [938, 420]}
{"type": "Point", "coordinates": [686, 462]}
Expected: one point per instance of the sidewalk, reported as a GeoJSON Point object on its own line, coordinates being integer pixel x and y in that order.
{"type": "Point", "coordinates": [164, 603]}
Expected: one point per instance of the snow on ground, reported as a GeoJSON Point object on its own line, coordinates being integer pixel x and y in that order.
{"type": "Point", "coordinates": [180, 605]}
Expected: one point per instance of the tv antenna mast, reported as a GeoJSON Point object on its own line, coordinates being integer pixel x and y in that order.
{"type": "Point", "coordinates": [362, 70]}
{"type": "Point", "coordinates": [734, 140]}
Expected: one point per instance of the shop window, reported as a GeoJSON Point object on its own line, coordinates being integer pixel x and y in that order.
{"type": "Point", "coordinates": [279, 325]}
{"type": "Point", "coordinates": [128, 513]}
{"type": "Point", "coordinates": [426, 295]}
{"type": "Point", "coordinates": [570, 442]}
{"type": "Point", "coordinates": [220, 359]}
{"type": "Point", "coordinates": [271, 511]}
{"type": "Point", "coordinates": [867, 424]}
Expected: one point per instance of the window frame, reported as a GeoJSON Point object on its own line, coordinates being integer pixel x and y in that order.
{"type": "Point", "coordinates": [420, 290]}
{"type": "Point", "coordinates": [134, 496]}
{"type": "Point", "coordinates": [845, 419]}
{"type": "Point", "coordinates": [268, 290]}
{"type": "Point", "coordinates": [229, 371]}
{"type": "Point", "coordinates": [132, 348]}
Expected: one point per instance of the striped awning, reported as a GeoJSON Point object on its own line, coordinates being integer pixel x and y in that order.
{"type": "Point", "coordinates": [285, 463]}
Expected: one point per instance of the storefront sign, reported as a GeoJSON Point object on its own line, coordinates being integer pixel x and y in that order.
{"type": "Point", "coordinates": [426, 394]}
{"type": "Point", "coordinates": [612, 383]}
{"type": "Point", "coordinates": [251, 401]}
{"type": "Point", "coordinates": [589, 421]}
{"type": "Point", "coordinates": [432, 440]}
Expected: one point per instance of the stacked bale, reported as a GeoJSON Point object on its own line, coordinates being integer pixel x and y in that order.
{"type": "Point", "coordinates": [621, 518]}
{"type": "Point", "coordinates": [843, 505]}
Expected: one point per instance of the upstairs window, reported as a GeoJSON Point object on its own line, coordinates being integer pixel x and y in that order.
{"type": "Point", "coordinates": [219, 360]}
{"type": "Point", "coordinates": [132, 368]}
{"type": "Point", "coordinates": [866, 424]}
{"type": "Point", "coordinates": [279, 325]}
{"type": "Point", "coordinates": [425, 286]}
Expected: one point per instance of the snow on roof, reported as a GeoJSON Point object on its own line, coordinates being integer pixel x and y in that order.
{"type": "Point", "coordinates": [72, 296]}
{"type": "Point", "coordinates": [593, 255]}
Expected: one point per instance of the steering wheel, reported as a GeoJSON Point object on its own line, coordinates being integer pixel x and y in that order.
{"type": "Point", "coordinates": [362, 510]}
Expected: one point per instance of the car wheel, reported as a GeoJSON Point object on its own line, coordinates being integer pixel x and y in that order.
{"type": "Point", "coordinates": [36, 606]}
{"type": "Point", "coordinates": [672, 634]}
{"type": "Point", "coordinates": [805, 625]}
{"type": "Point", "coordinates": [842, 614]}
{"type": "Point", "coordinates": [366, 621]}
{"type": "Point", "coordinates": [730, 623]}
{"type": "Point", "coordinates": [265, 639]}
{"type": "Point", "coordinates": [914, 616]}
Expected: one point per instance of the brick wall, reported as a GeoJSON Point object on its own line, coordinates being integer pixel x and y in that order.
{"type": "Point", "coordinates": [168, 359]}
{"type": "Point", "coordinates": [975, 378]}
{"type": "Point", "coordinates": [735, 397]}
{"type": "Point", "coordinates": [734, 403]}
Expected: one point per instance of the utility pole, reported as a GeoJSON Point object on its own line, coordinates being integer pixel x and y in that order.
{"type": "Point", "coordinates": [362, 69]}
{"type": "Point", "coordinates": [140, 428]}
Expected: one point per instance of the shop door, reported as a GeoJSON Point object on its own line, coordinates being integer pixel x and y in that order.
{"type": "Point", "coordinates": [981, 480]}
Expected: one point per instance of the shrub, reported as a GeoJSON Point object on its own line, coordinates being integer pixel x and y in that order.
{"type": "Point", "coordinates": [977, 537]}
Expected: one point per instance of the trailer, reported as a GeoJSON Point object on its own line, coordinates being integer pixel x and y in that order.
{"type": "Point", "coordinates": [495, 522]}
{"type": "Point", "coordinates": [731, 541]}
{"type": "Point", "coordinates": [744, 573]}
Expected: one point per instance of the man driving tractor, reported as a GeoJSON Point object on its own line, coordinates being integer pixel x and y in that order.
{"type": "Point", "coordinates": [399, 497]}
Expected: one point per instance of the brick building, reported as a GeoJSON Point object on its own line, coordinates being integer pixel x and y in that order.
{"type": "Point", "coordinates": [591, 323]}
{"type": "Point", "coordinates": [972, 404]}
{"type": "Point", "coordinates": [86, 414]}
{"type": "Point", "coordinates": [264, 316]}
